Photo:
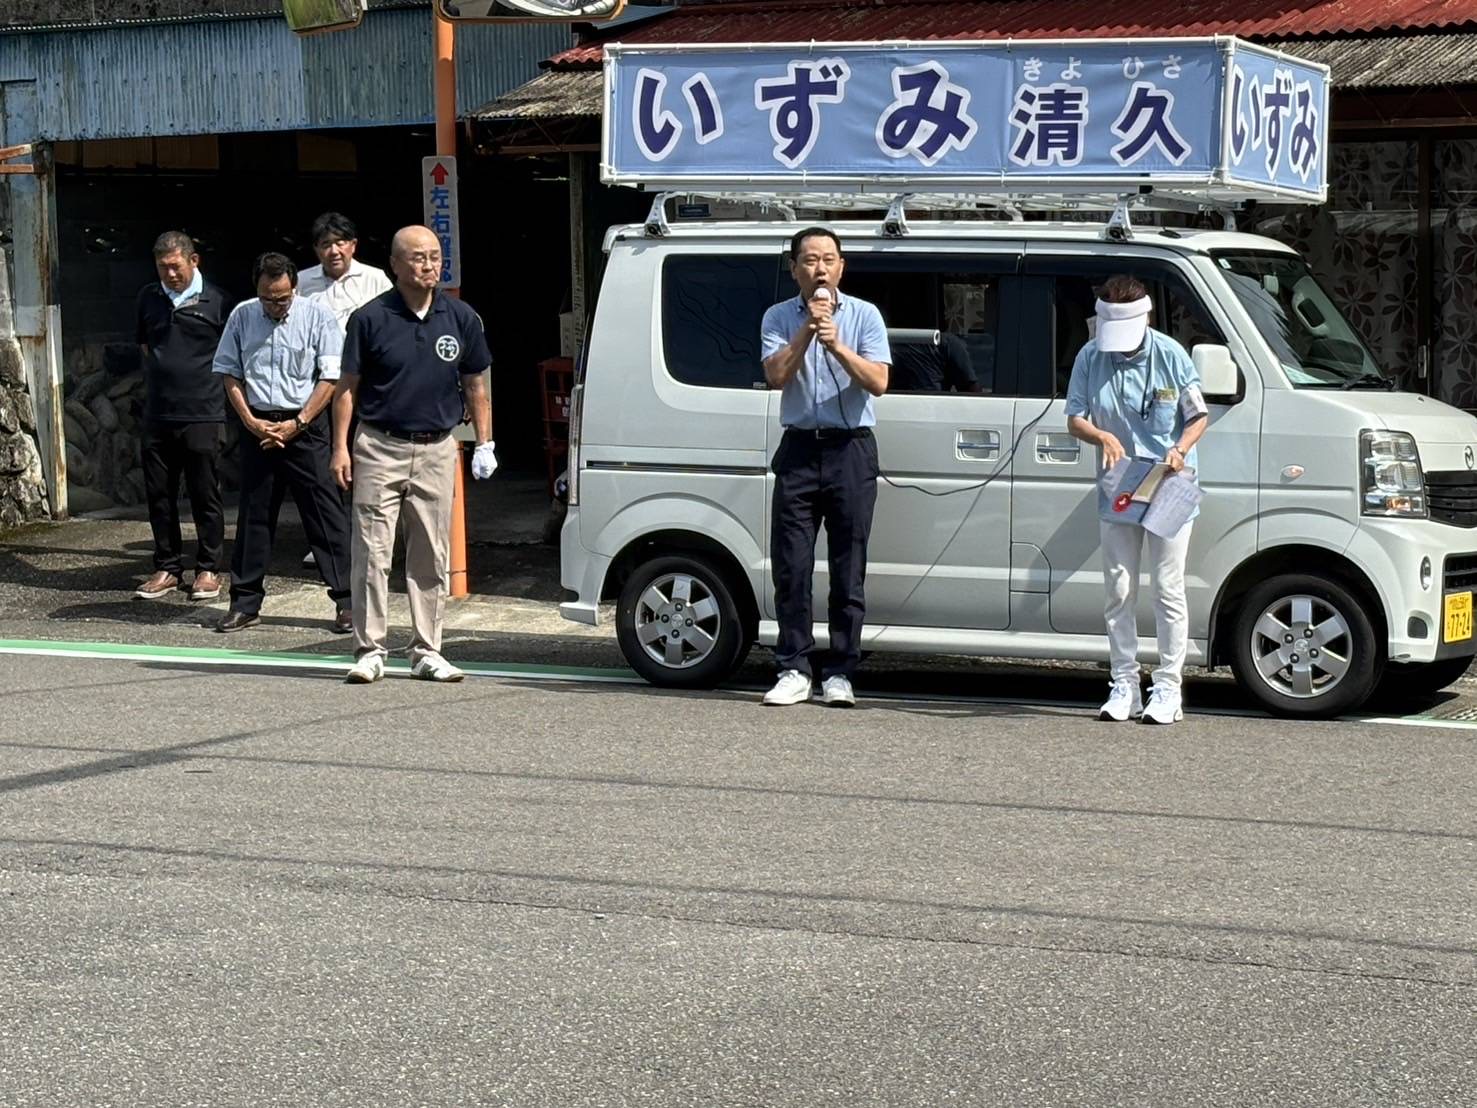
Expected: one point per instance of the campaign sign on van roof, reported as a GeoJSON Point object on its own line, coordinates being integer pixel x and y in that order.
{"type": "Point", "coordinates": [1234, 119]}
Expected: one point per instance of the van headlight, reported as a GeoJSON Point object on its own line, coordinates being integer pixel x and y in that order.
{"type": "Point", "coordinates": [1390, 478]}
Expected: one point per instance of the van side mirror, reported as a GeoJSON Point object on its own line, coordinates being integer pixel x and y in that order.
{"type": "Point", "coordinates": [1220, 380]}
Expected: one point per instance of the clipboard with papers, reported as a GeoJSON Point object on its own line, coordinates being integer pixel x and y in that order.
{"type": "Point", "coordinates": [1150, 494]}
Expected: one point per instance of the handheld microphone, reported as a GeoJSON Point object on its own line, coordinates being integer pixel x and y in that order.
{"type": "Point", "coordinates": [822, 292]}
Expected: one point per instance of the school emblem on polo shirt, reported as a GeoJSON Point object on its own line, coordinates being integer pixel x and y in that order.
{"type": "Point", "coordinates": [447, 348]}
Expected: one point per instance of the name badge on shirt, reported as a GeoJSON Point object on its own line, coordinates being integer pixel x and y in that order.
{"type": "Point", "coordinates": [1166, 394]}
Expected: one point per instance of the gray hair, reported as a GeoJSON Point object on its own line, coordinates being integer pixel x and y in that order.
{"type": "Point", "coordinates": [170, 241]}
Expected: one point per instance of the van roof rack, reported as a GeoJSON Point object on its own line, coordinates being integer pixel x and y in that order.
{"type": "Point", "coordinates": [1011, 205]}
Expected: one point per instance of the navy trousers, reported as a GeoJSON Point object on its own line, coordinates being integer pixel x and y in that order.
{"type": "Point", "coordinates": [832, 480]}
{"type": "Point", "coordinates": [267, 477]}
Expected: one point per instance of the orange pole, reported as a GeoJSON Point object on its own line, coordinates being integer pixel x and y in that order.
{"type": "Point", "coordinates": [445, 70]}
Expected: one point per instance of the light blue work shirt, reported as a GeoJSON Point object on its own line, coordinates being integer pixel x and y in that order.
{"type": "Point", "coordinates": [279, 363]}
{"type": "Point", "coordinates": [1140, 399]}
{"type": "Point", "coordinates": [191, 291]}
{"type": "Point", "coordinates": [822, 393]}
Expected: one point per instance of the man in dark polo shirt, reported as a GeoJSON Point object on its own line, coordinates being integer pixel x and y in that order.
{"type": "Point", "coordinates": [412, 368]}
{"type": "Point", "coordinates": [180, 320]}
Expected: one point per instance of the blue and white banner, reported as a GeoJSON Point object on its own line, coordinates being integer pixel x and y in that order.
{"type": "Point", "coordinates": [1236, 119]}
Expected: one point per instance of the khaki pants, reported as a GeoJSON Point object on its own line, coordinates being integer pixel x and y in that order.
{"type": "Point", "coordinates": [389, 473]}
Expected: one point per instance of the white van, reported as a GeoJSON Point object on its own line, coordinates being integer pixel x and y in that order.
{"type": "Point", "coordinates": [1337, 542]}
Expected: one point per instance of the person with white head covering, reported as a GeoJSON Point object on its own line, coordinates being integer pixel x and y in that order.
{"type": "Point", "coordinates": [1135, 393]}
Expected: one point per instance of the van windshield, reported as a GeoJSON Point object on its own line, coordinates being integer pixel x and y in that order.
{"type": "Point", "coordinates": [1316, 346]}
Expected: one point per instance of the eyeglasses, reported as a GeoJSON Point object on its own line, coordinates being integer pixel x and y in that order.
{"type": "Point", "coordinates": [276, 301]}
{"type": "Point", "coordinates": [432, 259]}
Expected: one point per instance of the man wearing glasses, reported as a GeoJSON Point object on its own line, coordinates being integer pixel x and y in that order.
{"type": "Point", "coordinates": [413, 364]}
{"type": "Point", "coordinates": [279, 360]}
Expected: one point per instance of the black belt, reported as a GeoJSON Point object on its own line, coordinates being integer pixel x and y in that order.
{"type": "Point", "coordinates": [830, 434]}
{"type": "Point", "coordinates": [420, 438]}
{"type": "Point", "coordinates": [275, 415]}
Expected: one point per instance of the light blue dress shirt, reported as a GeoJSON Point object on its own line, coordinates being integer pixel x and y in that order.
{"type": "Point", "coordinates": [280, 363]}
{"type": "Point", "coordinates": [1137, 399]}
{"type": "Point", "coordinates": [191, 291]}
{"type": "Point", "coordinates": [822, 393]}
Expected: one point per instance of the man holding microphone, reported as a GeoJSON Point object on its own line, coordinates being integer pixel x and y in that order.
{"type": "Point", "coordinates": [829, 356]}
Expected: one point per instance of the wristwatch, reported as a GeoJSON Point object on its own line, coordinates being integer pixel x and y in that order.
{"type": "Point", "coordinates": [302, 424]}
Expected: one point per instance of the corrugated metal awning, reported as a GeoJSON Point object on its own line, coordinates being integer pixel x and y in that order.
{"type": "Point", "coordinates": [1394, 61]}
{"type": "Point", "coordinates": [872, 20]}
{"type": "Point", "coordinates": [98, 14]}
{"type": "Point", "coordinates": [556, 94]}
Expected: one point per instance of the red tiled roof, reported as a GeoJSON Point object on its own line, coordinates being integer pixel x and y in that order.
{"type": "Point", "coordinates": [852, 21]}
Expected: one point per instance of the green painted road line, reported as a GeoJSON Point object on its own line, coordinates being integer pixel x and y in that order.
{"type": "Point", "coordinates": [129, 652]}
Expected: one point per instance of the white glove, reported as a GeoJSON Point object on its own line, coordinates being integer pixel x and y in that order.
{"type": "Point", "coordinates": [484, 461]}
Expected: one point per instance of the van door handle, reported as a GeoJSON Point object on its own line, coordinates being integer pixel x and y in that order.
{"type": "Point", "coordinates": [978, 445]}
{"type": "Point", "coordinates": [1057, 448]}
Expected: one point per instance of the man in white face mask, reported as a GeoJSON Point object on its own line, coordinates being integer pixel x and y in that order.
{"type": "Point", "coordinates": [1135, 393]}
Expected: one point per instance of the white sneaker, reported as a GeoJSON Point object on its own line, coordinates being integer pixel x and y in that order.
{"type": "Point", "coordinates": [836, 692]}
{"type": "Point", "coordinates": [1163, 707]}
{"type": "Point", "coordinates": [1125, 702]}
{"type": "Point", "coordinates": [367, 670]}
{"type": "Point", "coordinates": [433, 667]}
{"type": "Point", "coordinates": [793, 687]}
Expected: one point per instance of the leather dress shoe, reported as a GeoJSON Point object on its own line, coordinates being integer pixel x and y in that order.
{"type": "Point", "coordinates": [206, 586]}
{"type": "Point", "coordinates": [161, 584]}
{"type": "Point", "coordinates": [237, 621]}
{"type": "Point", "coordinates": [343, 623]}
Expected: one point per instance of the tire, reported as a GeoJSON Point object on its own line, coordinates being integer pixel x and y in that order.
{"type": "Point", "coordinates": [1335, 670]}
{"type": "Point", "coordinates": [1417, 680]}
{"type": "Point", "coordinates": [692, 651]}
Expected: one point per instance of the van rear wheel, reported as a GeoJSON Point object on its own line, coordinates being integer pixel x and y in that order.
{"type": "Point", "coordinates": [1304, 648]}
{"type": "Point", "coordinates": [677, 622]}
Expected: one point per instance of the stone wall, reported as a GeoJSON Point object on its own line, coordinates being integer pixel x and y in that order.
{"type": "Point", "coordinates": [22, 485]}
{"type": "Point", "coordinates": [104, 390]}
{"type": "Point", "coordinates": [104, 424]}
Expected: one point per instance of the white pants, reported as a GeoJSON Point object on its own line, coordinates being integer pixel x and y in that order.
{"type": "Point", "coordinates": [1123, 545]}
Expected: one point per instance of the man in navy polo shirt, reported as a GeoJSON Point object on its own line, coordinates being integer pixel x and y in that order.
{"type": "Point", "coordinates": [412, 368]}
{"type": "Point", "coordinates": [829, 355]}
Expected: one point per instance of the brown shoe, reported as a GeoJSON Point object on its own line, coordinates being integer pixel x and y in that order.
{"type": "Point", "coordinates": [206, 586]}
{"type": "Point", "coordinates": [161, 584]}
{"type": "Point", "coordinates": [343, 623]}
{"type": "Point", "coordinates": [237, 621]}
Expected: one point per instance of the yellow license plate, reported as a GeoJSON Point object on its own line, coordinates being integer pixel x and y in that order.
{"type": "Point", "coordinates": [1458, 617]}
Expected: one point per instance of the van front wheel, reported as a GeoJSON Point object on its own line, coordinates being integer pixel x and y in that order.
{"type": "Point", "coordinates": [1304, 648]}
{"type": "Point", "coordinates": [677, 623]}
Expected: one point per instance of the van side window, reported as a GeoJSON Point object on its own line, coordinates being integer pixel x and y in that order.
{"type": "Point", "coordinates": [712, 306]}
{"type": "Point", "coordinates": [1069, 289]}
{"type": "Point", "coordinates": [943, 316]}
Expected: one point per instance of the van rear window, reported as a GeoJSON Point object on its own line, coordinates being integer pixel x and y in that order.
{"type": "Point", "coordinates": [712, 307]}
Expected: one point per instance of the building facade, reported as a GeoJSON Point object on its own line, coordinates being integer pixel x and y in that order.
{"type": "Point", "coordinates": [1396, 241]}
{"type": "Point", "coordinates": [212, 117]}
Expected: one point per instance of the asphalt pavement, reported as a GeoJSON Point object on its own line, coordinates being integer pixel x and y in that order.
{"type": "Point", "coordinates": [232, 879]}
